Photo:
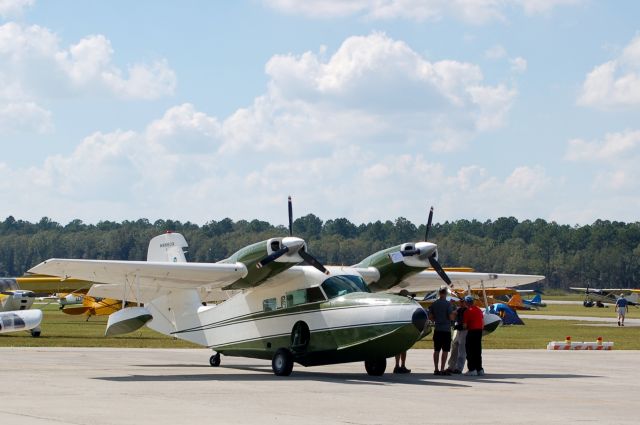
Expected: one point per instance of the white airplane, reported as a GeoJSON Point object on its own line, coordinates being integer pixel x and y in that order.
{"type": "Point", "coordinates": [608, 295]}
{"type": "Point", "coordinates": [14, 309]}
{"type": "Point", "coordinates": [267, 307]}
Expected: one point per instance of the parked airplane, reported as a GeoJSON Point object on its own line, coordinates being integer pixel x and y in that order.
{"type": "Point", "coordinates": [607, 296]}
{"type": "Point", "coordinates": [523, 304]}
{"type": "Point", "coordinates": [75, 304]}
{"type": "Point", "coordinates": [14, 309]}
{"type": "Point", "coordinates": [267, 306]}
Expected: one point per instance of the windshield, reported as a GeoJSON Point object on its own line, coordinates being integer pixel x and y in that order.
{"type": "Point", "coordinates": [337, 286]}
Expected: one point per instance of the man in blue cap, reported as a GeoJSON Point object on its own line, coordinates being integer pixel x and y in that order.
{"type": "Point", "coordinates": [474, 323]}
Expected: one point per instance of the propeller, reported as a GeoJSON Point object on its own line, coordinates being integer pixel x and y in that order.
{"type": "Point", "coordinates": [285, 249]}
{"type": "Point", "coordinates": [438, 268]}
{"type": "Point", "coordinates": [426, 232]}
{"type": "Point", "coordinates": [312, 261]}
{"type": "Point", "coordinates": [432, 258]}
{"type": "Point", "coordinates": [290, 216]}
{"type": "Point", "coordinates": [272, 257]}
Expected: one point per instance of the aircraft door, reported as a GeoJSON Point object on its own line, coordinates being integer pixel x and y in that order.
{"type": "Point", "coordinates": [300, 337]}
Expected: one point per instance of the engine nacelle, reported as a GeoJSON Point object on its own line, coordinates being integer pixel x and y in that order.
{"type": "Point", "coordinates": [12, 321]}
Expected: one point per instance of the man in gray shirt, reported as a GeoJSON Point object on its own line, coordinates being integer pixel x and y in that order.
{"type": "Point", "coordinates": [441, 313]}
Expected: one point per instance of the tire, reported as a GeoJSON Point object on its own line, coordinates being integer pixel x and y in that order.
{"type": "Point", "coordinates": [375, 367]}
{"type": "Point", "coordinates": [214, 360]}
{"type": "Point", "coordinates": [35, 333]}
{"type": "Point", "coordinates": [282, 362]}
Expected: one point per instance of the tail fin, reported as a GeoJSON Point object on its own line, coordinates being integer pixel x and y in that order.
{"type": "Point", "coordinates": [515, 301]}
{"type": "Point", "coordinates": [168, 247]}
{"type": "Point", "coordinates": [537, 299]}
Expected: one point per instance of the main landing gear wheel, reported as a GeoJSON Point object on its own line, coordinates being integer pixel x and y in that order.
{"type": "Point", "coordinates": [282, 363]}
{"type": "Point", "coordinates": [35, 332]}
{"type": "Point", "coordinates": [375, 367]}
{"type": "Point", "coordinates": [215, 360]}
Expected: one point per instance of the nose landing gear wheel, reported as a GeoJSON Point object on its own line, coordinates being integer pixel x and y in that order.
{"type": "Point", "coordinates": [282, 363]}
{"type": "Point", "coordinates": [375, 367]}
{"type": "Point", "coordinates": [215, 360]}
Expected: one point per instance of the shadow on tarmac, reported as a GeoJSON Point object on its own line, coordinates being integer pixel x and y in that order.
{"type": "Point", "coordinates": [264, 373]}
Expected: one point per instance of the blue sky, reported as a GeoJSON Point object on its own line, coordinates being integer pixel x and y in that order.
{"type": "Point", "coordinates": [367, 109]}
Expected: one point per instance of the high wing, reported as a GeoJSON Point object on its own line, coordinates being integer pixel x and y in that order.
{"type": "Point", "coordinates": [429, 281]}
{"type": "Point", "coordinates": [142, 279]}
{"type": "Point", "coordinates": [144, 273]}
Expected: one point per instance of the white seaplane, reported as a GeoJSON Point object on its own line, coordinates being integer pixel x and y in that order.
{"type": "Point", "coordinates": [257, 303]}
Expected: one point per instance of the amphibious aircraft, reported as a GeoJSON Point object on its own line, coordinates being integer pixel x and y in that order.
{"type": "Point", "coordinates": [266, 306]}
{"type": "Point", "coordinates": [608, 295]}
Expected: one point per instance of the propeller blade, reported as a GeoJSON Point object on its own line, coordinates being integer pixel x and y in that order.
{"type": "Point", "coordinates": [290, 217]}
{"type": "Point", "coordinates": [312, 261]}
{"type": "Point", "coordinates": [272, 257]}
{"type": "Point", "coordinates": [426, 232]}
{"type": "Point", "coordinates": [438, 268]}
{"type": "Point", "coordinates": [410, 252]}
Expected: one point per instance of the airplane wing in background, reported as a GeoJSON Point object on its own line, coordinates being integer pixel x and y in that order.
{"type": "Point", "coordinates": [427, 281]}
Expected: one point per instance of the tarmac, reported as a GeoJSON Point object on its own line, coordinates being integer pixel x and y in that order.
{"type": "Point", "coordinates": [95, 386]}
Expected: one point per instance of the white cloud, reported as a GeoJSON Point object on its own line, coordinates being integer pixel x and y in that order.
{"type": "Point", "coordinates": [615, 83]}
{"type": "Point", "coordinates": [614, 160]}
{"type": "Point", "coordinates": [615, 146]}
{"type": "Point", "coordinates": [472, 11]}
{"type": "Point", "coordinates": [533, 7]}
{"type": "Point", "coordinates": [372, 90]}
{"type": "Point", "coordinates": [10, 8]}
{"type": "Point", "coordinates": [35, 68]}
{"type": "Point", "coordinates": [24, 117]}
{"type": "Point", "coordinates": [354, 125]}
{"type": "Point", "coordinates": [82, 67]}
{"type": "Point", "coordinates": [518, 64]}
{"type": "Point", "coordinates": [129, 174]}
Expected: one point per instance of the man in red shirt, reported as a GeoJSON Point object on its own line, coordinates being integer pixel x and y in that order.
{"type": "Point", "coordinates": [473, 323]}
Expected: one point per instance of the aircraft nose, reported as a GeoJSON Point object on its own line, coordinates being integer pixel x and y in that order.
{"type": "Point", "coordinates": [419, 319]}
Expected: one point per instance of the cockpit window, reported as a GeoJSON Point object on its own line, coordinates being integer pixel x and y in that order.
{"type": "Point", "coordinates": [337, 286]}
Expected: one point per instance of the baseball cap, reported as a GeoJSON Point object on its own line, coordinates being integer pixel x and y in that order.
{"type": "Point", "coordinates": [468, 299]}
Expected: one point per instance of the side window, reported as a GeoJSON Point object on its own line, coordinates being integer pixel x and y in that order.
{"type": "Point", "coordinates": [269, 304]}
{"type": "Point", "coordinates": [296, 297]}
{"type": "Point", "coordinates": [315, 294]}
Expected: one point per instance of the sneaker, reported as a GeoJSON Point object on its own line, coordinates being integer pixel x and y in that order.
{"type": "Point", "coordinates": [471, 373]}
{"type": "Point", "coordinates": [436, 372]}
{"type": "Point", "coordinates": [456, 371]}
{"type": "Point", "coordinates": [481, 372]}
{"type": "Point", "coordinates": [403, 369]}
{"type": "Point", "coordinates": [445, 373]}
{"type": "Point", "coordinates": [397, 369]}
{"type": "Point", "coordinates": [618, 323]}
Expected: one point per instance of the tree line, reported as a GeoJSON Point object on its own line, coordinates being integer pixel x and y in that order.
{"type": "Point", "coordinates": [603, 254]}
